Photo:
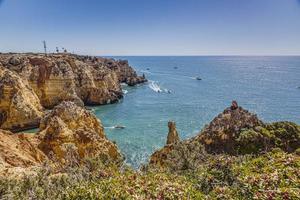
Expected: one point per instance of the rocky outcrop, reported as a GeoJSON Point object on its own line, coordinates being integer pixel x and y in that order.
{"type": "Point", "coordinates": [69, 126]}
{"type": "Point", "coordinates": [173, 137]}
{"type": "Point", "coordinates": [235, 131]}
{"type": "Point", "coordinates": [125, 73]}
{"type": "Point", "coordinates": [20, 107]}
{"type": "Point", "coordinates": [19, 150]}
{"type": "Point", "coordinates": [95, 83]}
{"type": "Point", "coordinates": [67, 129]}
{"type": "Point", "coordinates": [65, 77]}
{"type": "Point", "coordinates": [221, 133]}
{"type": "Point", "coordinates": [176, 154]}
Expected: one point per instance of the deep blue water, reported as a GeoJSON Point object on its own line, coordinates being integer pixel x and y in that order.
{"type": "Point", "coordinates": [267, 86]}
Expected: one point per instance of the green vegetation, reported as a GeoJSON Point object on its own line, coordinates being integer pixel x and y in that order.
{"type": "Point", "coordinates": [274, 175]}
{"type": "Point", "coordinates": [267, 167]}
{"type": "Point", "coordinates": [284, 135]}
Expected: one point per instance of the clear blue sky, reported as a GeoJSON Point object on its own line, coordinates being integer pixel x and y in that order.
{"type": "Point", "coordinates": [152, 27]}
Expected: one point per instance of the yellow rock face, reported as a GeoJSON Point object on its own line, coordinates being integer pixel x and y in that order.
{"type": "Point", "coordinates": [46, 81]}
{"type": "Point", "coordinates": [19, 150]}
{"type": "Point", "coordinates": [19, 106]}
{"type": "Point", "coordinates": [68, 130]}
{"type": "Point", "coordinates": [69, 127]}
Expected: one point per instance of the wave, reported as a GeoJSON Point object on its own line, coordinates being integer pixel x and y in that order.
{"type": "Point", "coordinates": [109, 127]}
{"type": "Point", "coordinates": [146, 72]}
{"type": "Point", "coordinates": [155, 87]}
{"type": "Point", "coordinates": [125, 91]}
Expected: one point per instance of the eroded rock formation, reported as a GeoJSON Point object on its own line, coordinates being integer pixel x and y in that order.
{"type": "Point", "coordinates": [71, 126]}
{"type": "Point", "coordinates": [19, 150]}
{"type": "Point", "coordinates": [221, 133]}
{"type": "Point", "coordinates": [68, 128]}
{"type": "Point", "coordinates": [19, 106]}
{"type": "Point", "coordinates": [235, 131]}
{"type": "Point", "coordinates": [61, 77]}
{"type": "Point", "coordinates": [173, 137]}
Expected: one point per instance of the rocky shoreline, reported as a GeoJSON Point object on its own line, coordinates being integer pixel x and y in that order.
{"type": "Point", "coordinates": [32, 83]}
{"type": "Point", "coordinates": [235, 131]}
{"type": "Point", "coordinates": [236, 155]}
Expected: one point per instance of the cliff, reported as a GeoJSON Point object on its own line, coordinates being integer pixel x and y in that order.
{"type": "Point", "coordinates": [65, 77]}
{"type": "Point", "coordinates": [19, 150]}
{"type": "Point", "coordinates": [236, 156]}
{"type": "Point", "coordinates": [19, 105]}
{"type": "Point", "coordinates": [235, 131]}
{"type": "Point", "coordinates": [67, 129]}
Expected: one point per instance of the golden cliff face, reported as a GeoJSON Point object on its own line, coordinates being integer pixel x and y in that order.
{"type": "Point", "coordinates": [52, 80]}
{"type": "Point", "coordinates": [70, 127]}
{"type": "Point", "coordinates": [19, 150]}
{"type": "Point", "coordinates": [45, 81]}
{"type": "Point", "coordinates": [19, 105]}
{"type": "Point", "coordinates": [67, 129]}
{"type": "Point", "coordinates": [96, 84]}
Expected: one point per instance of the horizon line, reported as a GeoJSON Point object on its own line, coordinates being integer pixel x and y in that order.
{"type": "Point", "coordinates": [162, 55]}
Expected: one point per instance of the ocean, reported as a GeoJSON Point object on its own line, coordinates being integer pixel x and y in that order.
{"type": "Point", "coordinates": [267, 86]}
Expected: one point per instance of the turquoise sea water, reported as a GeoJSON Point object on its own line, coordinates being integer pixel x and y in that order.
{"type": "Point", "coordinates": [267, 86]}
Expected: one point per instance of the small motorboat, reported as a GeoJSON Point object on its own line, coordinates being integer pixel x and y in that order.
{"type": "Point", "coordinates": [119, 127]}
{"type": "Point", "coordinates": [198, 78]}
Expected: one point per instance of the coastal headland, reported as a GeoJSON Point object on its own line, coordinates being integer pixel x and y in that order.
{"type": "Point", "coordinates": [237, 155]}
{"type": "Point", "coordinates": [31, 84]}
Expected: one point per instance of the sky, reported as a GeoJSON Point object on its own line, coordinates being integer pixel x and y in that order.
{"type": "Point", "coordinates": [152, 27]}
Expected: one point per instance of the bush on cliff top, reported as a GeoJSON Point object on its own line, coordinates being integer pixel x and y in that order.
{"type": "Point", "coordinates": [274, 175]}
{"type": "Point", "coordinates": [284, 135]}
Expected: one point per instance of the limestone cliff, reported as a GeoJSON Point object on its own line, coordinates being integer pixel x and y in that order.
{"type": "Point", "coordinates": [19, 150]}
{"type": "Point", "coordinates": [59, 77]}
{"type": "Point", "coordinates": [124, 72]}
{"type": "Point", "coordinates": [70, 126]}
{"type": "Point", "coordinates": [67, 129]}
{"type": "Point", "coordinates": [235, 131]}
{"type": "Point", "coordinates": [66, 77]}
{"type": "Point", "coordinates": [19, 106]}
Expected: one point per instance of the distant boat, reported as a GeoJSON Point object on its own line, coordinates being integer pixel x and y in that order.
{"type": "Point", "coordinates": [148, 69]}
{"type": "Point", "coordinates": [119, 127]}
{"type": "Point", "coordinates": [198, 78]}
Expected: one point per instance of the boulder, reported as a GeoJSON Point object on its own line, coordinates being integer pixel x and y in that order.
{"type": "Point", "coordinates": [234, 105]}
{"type": "Point", "coordinates": [14, 60]}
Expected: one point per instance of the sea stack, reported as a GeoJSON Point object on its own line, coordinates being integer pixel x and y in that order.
{"type": "Point", "coordinates": [173, 137]}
